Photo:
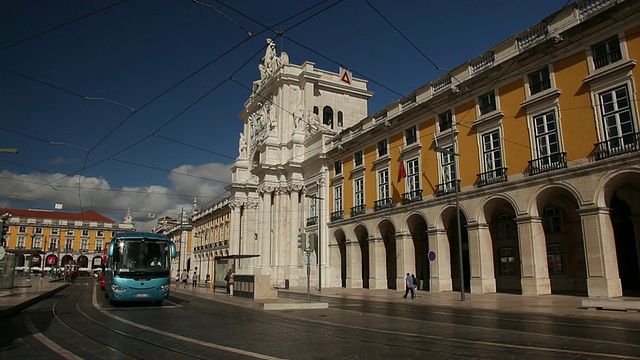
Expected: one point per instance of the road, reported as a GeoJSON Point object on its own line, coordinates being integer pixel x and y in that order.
{"type": "Point", "coordinates": [78, 323]}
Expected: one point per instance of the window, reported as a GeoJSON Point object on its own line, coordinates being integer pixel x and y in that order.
{"type": "Point", "coordinates": [445, 121]}
{"type": "Point", "coordinates": [505, 227]}
{"type": "Point", "coordinates": [383, 184]}
{"type": "Point", "coordinates": [99, 245]}
{"type": "Point", "coordinates": [55, 231]}
{"type": "Point", "coordinates": [327, 116]}
{"type": "Point", "coordinates": [23, 229]}
{"type": "Point", "coordinates": [85, 232]}
{"type": "Point", "coordinates": [359, 191]}
{"type": "Point", "coordinates": [340, 119]}
{"type": "Point", "coordinates": [69, 232]}
{"type": "Point", "coordinates": [546, 136]}
{"type": "Point", "coordinates": [53, 244]}
{"type": "Point", "coordinates": [337, 198]}
{"type": "Point", "coordinates": [316, 110]}
{"type": "Point", "coordinates": [616, 115]}
{"type": "Point", "coordinates": [313, 212]}
{"type": "Point", "coordinates": [37, 243]}
{"type": "Point", "coordinates": [382, 148]}
{"type": "Point", "coordinates": [492, 153]}
{"type": "Point", "coordinates": [413, 175]}
{"type": "Point", "coordinates": [411, 135]}
{"type": "Point", "coordinates": [539, 81]}
{"type": "Point", "coordinates": [555, 259]}
{"type": "Point", "coordinates": [85, 245]}
{"type": "Point", "coordinates": [68, 245]}
{"type": "Point", "coordinates": [21, 242]}
{"type": "Point", "coordinates": [39, 230]}
{"type": "Point", "coordinates": [100, 233]}
{"type": "Point", "coordinates": [606, 52]}
{"type": "Point", "coordinates": [449, 176]}
{"type": "Point", "coordinates": [551, 220]}
{"type": "Point", "coordinates": [507, 261]}
{"type": "Point", "coordinates": [357, 158]}
{"type": "Point", "coordinates": [487, 103]}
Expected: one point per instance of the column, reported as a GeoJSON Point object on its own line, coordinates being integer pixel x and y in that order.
{"type": "Point", "coordinates": [441, 267]}
{"type": "Point", "coordinates": [406, 255]}
{"type": "Point", "coordinates": [603, 279]}
{"type": "Point", "coordinates": [265, 233]}
{"type": "Point", "coordinates": [354, 265]}
{"type": "Point", "coordinates": [533, 256]}
{"type": "Point", "coordinates": [481, 259]}
{"type": "Point", "coordinates": [234, 237]}
{"type": "Point", "coordinates": [377, 264]}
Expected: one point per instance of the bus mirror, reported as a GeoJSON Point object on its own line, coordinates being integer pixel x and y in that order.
{"type": "Point", "coordinates": [111, 248]}
{"type": "Point", "coordinates": [174, 252]}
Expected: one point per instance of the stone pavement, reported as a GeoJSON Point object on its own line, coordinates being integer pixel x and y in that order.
{"type": "Point", "coordinates": [28, 292]}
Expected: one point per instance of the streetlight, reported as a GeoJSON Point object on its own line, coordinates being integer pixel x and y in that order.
{"type": "Point", "coordinates": [316, 197]}
{"type": "Point", "coordinates": [453, 152]}
{"type": "Point", "coordinates": [9, 151]}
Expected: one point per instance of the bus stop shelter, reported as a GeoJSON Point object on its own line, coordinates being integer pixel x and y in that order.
{"type": "Point", "coordinates": [222, 265]}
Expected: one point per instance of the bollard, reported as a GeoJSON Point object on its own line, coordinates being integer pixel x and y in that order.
{"type": "Point", "coordinates": [231, 289]}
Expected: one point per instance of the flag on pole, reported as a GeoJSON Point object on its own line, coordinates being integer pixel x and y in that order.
{"type": "Point", "coordinates": [402, 172]}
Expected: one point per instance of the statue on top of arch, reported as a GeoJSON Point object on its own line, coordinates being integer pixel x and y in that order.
{"type": "Point", "coordinates": [271, 62]}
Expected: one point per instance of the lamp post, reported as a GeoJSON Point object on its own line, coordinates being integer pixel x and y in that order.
{"type": "Point", "coordinates": [453, 152]}
{"type": "Point", "coordinates": [316, 197]}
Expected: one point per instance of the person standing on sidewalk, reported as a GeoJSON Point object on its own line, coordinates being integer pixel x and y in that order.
{"type": "Point", "coordinates": [194, 279]}
{"type": "Point", "coordinates": [409, 284]}
{"type": "Point", "coordinates": [184, 277]}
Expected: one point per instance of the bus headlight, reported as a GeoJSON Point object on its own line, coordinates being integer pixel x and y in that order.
{"type": "Point", "coordinates": [164, 287]}
{"type": "Point", "coordinates": [115, 287]}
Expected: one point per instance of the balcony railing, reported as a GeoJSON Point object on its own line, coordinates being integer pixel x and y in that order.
{"type": "Point", "coordinates": [337, 215]}
{"type": "Point", "coordinates": [548, 163]}
{"type": "Point", "coordinates": [540, 86]}
{"type": "Point", "coordinates": [382, 204]}
{"type": "Point", "coordinates": [412, 196]}
{"type": "Point", "coordinates": [358, 210]}
{"type": "Point", "coordinates": [607, 59]}
{"type": "Point", "coordinates": [492, 177]}
{"type": "Point", "coordinates": [312, 221]}
{"type": "Point", "coordinates": [621, 145]}
{"type": "Point", "coordinates": [448, 187]}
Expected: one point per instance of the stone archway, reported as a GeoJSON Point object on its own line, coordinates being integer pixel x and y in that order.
{"type": "Point", "coordinates": [387, 232]}
{"type": "Point", "coordinates": [341, 241]}
{"type": "Point", "coordinates": [417, 226]}
{"type": "Point", "coordinates": [500, 216]}
{"type": "Point", "coordinates": [451, 225]}
{"type": "Point", "coordinates": [362, 236]}
{"type": "Point", "coordinates": [66, 260]}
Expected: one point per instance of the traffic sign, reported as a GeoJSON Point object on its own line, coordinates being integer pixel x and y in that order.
{"type": "Point", "coordinates": [432, 255]}
{"type": "Point", "coordinates": [308, 258]}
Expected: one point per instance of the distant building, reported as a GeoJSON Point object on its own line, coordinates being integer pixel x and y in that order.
{"type": "Point", "coordinates": [211, 232]}
{"type": "Point", "coordinates": [180, 232]}
{"type": "Point", "coordinates": [44, 239]}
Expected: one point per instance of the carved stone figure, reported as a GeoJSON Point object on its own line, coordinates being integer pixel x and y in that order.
{"type": "Point", "coordinates": [242, 148]}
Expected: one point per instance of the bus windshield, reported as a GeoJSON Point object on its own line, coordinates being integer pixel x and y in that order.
{"type": "Point", "coordinates": [146, 257]}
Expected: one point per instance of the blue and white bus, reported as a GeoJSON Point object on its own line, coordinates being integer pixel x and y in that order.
{"type": "Point", "coordinates": [138, 267]}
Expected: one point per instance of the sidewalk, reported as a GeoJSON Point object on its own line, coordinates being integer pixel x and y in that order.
{"type": "Point", "coordinates": [28, 292]}
{"type": "Point", "coordinates": [560, 305]}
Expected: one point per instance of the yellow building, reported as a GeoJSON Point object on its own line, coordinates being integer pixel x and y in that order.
{"type": "Point", "coordinates": [43, 239]}
{"type": "Point", "coordinates": [534, 142]}
{"type": "Point", "coordinates": [211, 230]}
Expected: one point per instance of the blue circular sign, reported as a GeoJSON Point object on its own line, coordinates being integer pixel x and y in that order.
{"type": "Point", "coordinates": [432, 255]}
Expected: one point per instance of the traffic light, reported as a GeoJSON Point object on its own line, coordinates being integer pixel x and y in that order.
{"type": "Point", "coordinates": [5, 227]}
{"type": "Point", "coordinates": [302, 241]}
{"type": "Point", "coordinates": [313, 241]}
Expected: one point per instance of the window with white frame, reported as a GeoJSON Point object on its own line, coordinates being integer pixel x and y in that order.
{"type": "Point", "coordinates": [100, 233]}
{"type": "Point", "coordinates": [337, 198]}
{"type": "Point", "coordinates": [487, 103]}
{"type": "Point", "coordinates": [546, 132]}
{"type": "Point", "coordinates": [313, 204]}
{"type": "Point", "coordinates": [617, 118]}
{"type": "Point", "coordinates": [99, 244]}
{"type": "Point", "coordinates": [85, 232]}
{"type": "Point", "coordinates": [55, 231]}
{"type": "Point", "coordinates": [606, 52]}
{"type": "Point", "coordinates": [413, 175]}
{"type": "Point", "coordinates": [22, 229]}
{"type": "Point", "coordinates": [551, 220]}
{"type": "Point", "coordinates": [383, 184]}
{"type": "Point", "coordinates": [445, 121]}
{"type": "Point", "coordinates": [449, 176]}
{"type": "Point", "coordinates": [357, 158]}
{"type": "Point", "coordinates": [53, 243]}
{"type": "Point", "coordinates": [492, 153]}
{"type": "Point", "coordinates": [21, 242]}
{"type": "Point", "coordinates": [383, 148]}
{"type": "Point", "coordinates": [337, 167]}
{"type": "Point", "coordinates": [539, 81]}
{"type": "Point", "coordinates": [84, 245]}
{"type": "Point", "coordinates": [70, 232]}
{"type": "Point", "coordinates": [39, 230]}
{"type": "Point", "coordinates": [69, 245]}
{"type": "Point", "coordinates": [359, 191]}
{"type": "Point", "coordinates": [37, 243]}
{"type": "Point", "coordinates": [411, 135]}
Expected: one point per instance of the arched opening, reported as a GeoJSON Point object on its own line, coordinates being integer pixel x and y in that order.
{"type": "Point", "coordinates": [341, 240]}
{"type": "Point", "coordinates": [340, 119]}
{"type": "Point", "coordinates": [387, 232]}
{"type": "Point", "coordinates": [501, 215]}
{"type": "Point", "coordinates": [627, 250]}
{"type": "Point", "coordinates": [327, 116]}
{"type": "Point", "coordinates": [83, 262]}
{"type": "Point", "coordinates": [363, 240]}
{"type": "Point", "coordinates": [418, 229]}
{"type": "Point", "coordinates": [454, 250]}
{"type": "Point", "coordinates": [67, 259]}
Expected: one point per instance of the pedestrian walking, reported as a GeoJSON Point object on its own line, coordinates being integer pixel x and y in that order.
{"type": "Point", "coordinates": [415, 282]}
{"type": "Point", "coordinates": [178, 278]}
{"type": "Point", "coordinates": [184, 277]}
{"type": "Point", "coordinates": [194, 279]}
{"type": "Point", "coordinates": [409, 284]}
{"type": "Point", "coordinates": [229, 280]}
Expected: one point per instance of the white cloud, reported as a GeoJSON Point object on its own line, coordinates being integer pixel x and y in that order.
{"type": "Point", "coordinates": [206, 182]}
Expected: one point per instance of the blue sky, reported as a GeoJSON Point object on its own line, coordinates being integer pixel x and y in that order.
{"type": "Point", "coordinates": [186, 69]}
